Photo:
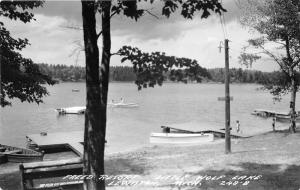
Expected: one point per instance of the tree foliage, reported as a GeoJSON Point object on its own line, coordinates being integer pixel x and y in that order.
{"type": "Point", "coordinates": [95, 115]}
{"type": "Point", "coordinates": [151, 68]}
{"type": "Point", "coordinates": [278, 22]}
{"type": "Point", "coordinates": [20, 77]}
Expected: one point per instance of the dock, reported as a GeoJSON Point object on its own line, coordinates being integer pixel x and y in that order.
{"type": "Point", "coordinates": [73, 140]}
{"type": "Point", "coordinates": [195, 127]}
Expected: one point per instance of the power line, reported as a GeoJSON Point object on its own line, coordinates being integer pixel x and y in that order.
{"type": "Point", "coordinates": [225, 25]}
{"type": "Point", "coordinates": [222, 26]}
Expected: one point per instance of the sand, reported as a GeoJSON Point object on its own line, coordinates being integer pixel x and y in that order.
{"type": "Point", "coordinates": [267, 161]}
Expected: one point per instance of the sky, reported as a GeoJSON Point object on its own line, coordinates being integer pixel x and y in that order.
{"type": "Point", "coordinates": [53, 42]}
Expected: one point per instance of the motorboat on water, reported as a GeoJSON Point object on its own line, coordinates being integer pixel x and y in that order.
{"type": "Point", "coordinates": [72, 110]}
{"type": "Point", "coordinates": [122, 105]}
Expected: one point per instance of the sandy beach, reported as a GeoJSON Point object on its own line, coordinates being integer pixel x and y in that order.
{"type": "Point", "coordinates": [266, 161]}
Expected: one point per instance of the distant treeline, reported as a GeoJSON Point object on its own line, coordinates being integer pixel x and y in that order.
{"type": "Point", "coordinates": [120, 73]}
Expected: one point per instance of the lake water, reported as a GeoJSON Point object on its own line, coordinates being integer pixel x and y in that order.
{"type": "Point", "coordinates": [129, 128]}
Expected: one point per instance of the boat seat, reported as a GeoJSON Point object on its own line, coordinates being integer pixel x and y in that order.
{"type": "Point", "coordinates": [33, 175]}
{"type": "Point", "coordinates": [12, 152]}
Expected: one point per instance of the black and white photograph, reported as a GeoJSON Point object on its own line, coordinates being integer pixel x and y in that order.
{"type": "Point", "coordinates": [150, 94]}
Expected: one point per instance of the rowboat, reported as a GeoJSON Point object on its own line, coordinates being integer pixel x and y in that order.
{"type": "Point", "coordinates": [181, 138]}
{"type": "Point", "coordinates": [183, 133]}
{"type": "Point", "coordinates": [285, 118]}
{"type": "Point", "coordinates": [15, 154]}
{"type": "Point", "coordinates": [71, 110]}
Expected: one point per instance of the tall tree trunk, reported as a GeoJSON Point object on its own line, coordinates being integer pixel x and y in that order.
{"type": "Point", "coordinates": [105, 61]}
{"type": "Point", "coordinates": [95, 115]}
{"type": "Point", "coordinates": [293, 104]}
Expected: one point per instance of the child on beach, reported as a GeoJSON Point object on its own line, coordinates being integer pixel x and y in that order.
{"type": "Point", "coordinates": [274, 123]}
{"type": "Point", "coordinates": [238, 126]}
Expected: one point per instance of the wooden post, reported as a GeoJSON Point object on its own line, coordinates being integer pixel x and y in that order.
{"type": "Point", "coordinates": [227, 101]}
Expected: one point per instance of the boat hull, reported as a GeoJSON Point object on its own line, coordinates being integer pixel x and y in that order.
{"type": "Point", "coordinates": [71, 110]}
{"type": "Point", "coordinates": [180, 138]}
{"type": "Point", "coordinates": [123, 105]}
{"type": "Point", "coordinates": [286, 119]}
{"type": "Point", "coordinates": [22, 158]}
{"type": "Point", "coordinates": [21, 155]}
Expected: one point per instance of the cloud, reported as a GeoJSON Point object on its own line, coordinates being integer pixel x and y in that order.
{"type": "Point", "coordinates": [50, 43]}
{"type": "Point", "coordinates": [195, 39]}
{"type": "Point", "coordinates": [146, 28]}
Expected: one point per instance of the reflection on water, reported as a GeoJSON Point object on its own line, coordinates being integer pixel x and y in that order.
{"type": "Point", "coordinates": [130, 128]}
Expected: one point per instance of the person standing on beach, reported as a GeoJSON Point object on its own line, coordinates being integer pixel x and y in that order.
{"type": "Point", "coordinates": [274, 123]}
{"type": "Point", "coordinates": [238, 125]}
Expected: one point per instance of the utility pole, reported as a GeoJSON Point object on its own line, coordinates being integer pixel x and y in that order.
{"type": "Point", "coordinates": [227, 100]}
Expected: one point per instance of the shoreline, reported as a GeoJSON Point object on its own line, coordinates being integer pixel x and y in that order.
{"type": "Point", "coordinates": [274, 155]}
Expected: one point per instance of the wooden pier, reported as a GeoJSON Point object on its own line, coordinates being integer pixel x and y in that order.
{"type": "Point", "coordinates": [195, 127]}
{"type": "Point", "coordinates": [73, 140]}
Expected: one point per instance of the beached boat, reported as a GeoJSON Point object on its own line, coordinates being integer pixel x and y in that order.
{"type": "Point", "coordinates": [285, 118]}
{"type": "Point", "coordinates": [72, 110]}
{"type": "Point", "coordinates": [20, 155]}
{"type": "Point", "coordinates": [270, 113]}
{"type": "Point", "coordinates": [180, 138]}
{"type": "Point", "coordinates": [184, 133]}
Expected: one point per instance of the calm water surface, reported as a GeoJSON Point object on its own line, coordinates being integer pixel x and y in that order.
{"type": "Point", "coordinates": [129, 128]}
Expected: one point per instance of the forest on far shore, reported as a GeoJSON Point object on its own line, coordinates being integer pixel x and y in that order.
{"type": "Point", "coordinates": [125, 74]}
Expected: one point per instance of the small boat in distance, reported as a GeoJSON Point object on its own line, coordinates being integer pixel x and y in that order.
{"type": "Point", "coordinates": [20, 155]}
{"type": "Point", "coordinates": [75, 90]}
{"type": "Point", "coordinates": [72, 110]}
{"type": "Point", "coordinates": [121, 104]}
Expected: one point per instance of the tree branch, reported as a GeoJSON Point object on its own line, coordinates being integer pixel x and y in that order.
{"type": "Point", "coordinates": [267, 52]}
{"type": "Point", "coordinates": [151, 14]}
{"type": "Point", "coordinates": [117, 53]}
{"type": "Point", "coordinates": [99, 34]}
{"type": "Point", "coordinates": [72, 27]}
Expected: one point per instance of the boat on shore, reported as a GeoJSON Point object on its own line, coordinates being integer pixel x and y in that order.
{"type": "Point", "coordinates": [181, 138]}
{"type": "Point", "coordinates": [286, 118]}
{"type": "Point", "coordinates": [72, 110]}
{"type": "Point", "coordinates": [280, 116]}
{"type": "Point", "coordinates": [20, 155]}
{"type": "Point", "coordinates": [181, 134]}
